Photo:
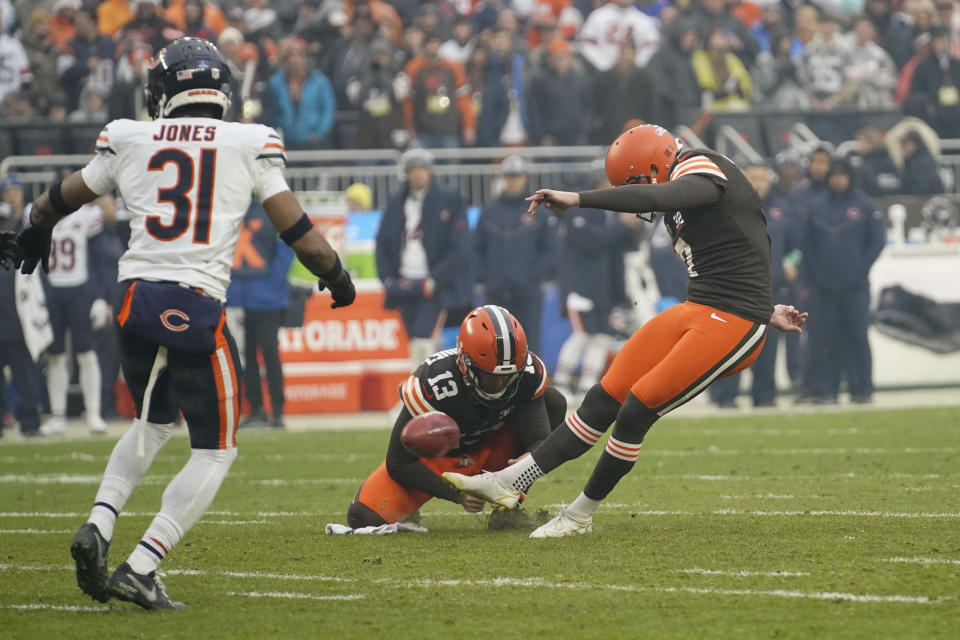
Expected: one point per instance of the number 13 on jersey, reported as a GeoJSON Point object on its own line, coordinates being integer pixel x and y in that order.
{"type": "Point", "coordinates": [189, 205]}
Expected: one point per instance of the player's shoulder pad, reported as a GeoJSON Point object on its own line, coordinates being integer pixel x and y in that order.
{"type": "Point", "coordinates": [270, 146]}
{"type": "Point", "coordinates": [697, 164]}
{"type": "Point", "coordinates": [537, 372]}
{"type": "Point", "coordinates": [115, 134]}
{"type": "Point", "coordinates": [414, 395]}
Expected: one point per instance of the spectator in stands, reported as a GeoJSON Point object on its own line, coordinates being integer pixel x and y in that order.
{"type": "Point", "coordinates": [870, 74]}
{"type": "Point", "coordinates": [806, 24]}
{"type": "Point", "coordinates": [461, 43]}
{"type": "Point", "coordinates": [353, 55]}
{"type": "Point", "coordinates": [195, 17]}
{"type": "Point", "coordinates": [586, 279]}
{"type": "Point", "coordinates": [412, 45]}
{"type": "Point", "coordinates": [439, 110]}
{"type": "Point", "coordinates": [57, 111]}
{"type": "Point", "coordinates": [725, 82]}
{"type": "Point", "coordinates": [42, 60]}
{"type": "Point", "coordinates": [877, 174]}
{"type": "Point", "coordinates": [496, 77]}
{"type": "Point", "coordinates": [677, 89]}
{"type": "Point", "coordinates": [771, 25]}
{"type": "Point", "coordinates": [14, 66]}
{"type": "Point", "coordinates": [17, 106]}
{"type": "Point", "coordinates": [112, 15]}
{"type": "Point", "coordinates": [777, 75]}
{"type": "Point", "coordinates": [514, 251]}
{"type": "Point", "coordinates": [607, 28]}
{"type": "Point", "coordinates": [920, 175]}
{"type": "Point", "coordinates": [935, 87]}
{"type": "Point", "coordinates": [374, 92]}
{"type": "Point", "coordinates": [559, 100]}
{"type": "Point", "coordinates": [93, 104]}
{"type": "Point", "coordinates": [423, 254]}
{"type": "Point", "coordinates": [149, 25]}
{"type": "Point", "coordinates": [258, 285]}
{"type": "Point", "coordinates": [359, 197]}
{"type": "Point", "coordinates": [301, 101]}
{"type": "Point", "coordinates": [23, 317]}
{"type": "Point", "coordinates": [892, 34]}
{"type": "Point", "coordinates": [824, 59]}
{"type": "Point", "coordinates": [843, 237]}
{"type": "Point", "coordinates": [626, 92]}
{"type": "Point", "coordinates": [126, 96]}
{"type": "Point", "coordinates": [715, 14]}
{"type": "Point", "coordinates": [61, 23]}
{"type": "Point", "coordinates": [88, 57]}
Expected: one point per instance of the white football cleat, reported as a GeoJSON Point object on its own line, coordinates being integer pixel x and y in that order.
{"type": "Point", "coordinates": [564, 524]}
{"type": "Point", "coordinates": [485, 486]}
{"type": "Point", "coordinates": [97, 425]}
{"type": "Point", "coordinates": [54, 426]}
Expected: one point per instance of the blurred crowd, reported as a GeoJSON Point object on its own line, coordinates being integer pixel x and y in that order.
{"type": "Point", "coordinates": [448, 73]}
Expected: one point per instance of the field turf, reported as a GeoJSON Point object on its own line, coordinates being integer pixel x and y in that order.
{"type": "Point", "coordinates": [827, 525]}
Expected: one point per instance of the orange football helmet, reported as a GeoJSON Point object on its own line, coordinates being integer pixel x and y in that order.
{"type": "Point", "coordinates": [491, 352]}
{"type": "Point", "coordinates": [641, 155]}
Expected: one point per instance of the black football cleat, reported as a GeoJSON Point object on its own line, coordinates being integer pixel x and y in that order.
{"type": "Point", "coordinates": [145, 590]}
{"type": "Point", "coordinates": [89, 549]}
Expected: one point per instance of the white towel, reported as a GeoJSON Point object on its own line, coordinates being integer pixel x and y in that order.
{"type": "Point", "coordinates": [333, 529]}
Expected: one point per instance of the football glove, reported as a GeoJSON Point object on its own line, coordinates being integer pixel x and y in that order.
{"type": "Point", "coordinates": [9, 249]}
{"type": "Point", "coordinates": [34, 245]}
{"type": "Point", "coordinates": [341, 288]}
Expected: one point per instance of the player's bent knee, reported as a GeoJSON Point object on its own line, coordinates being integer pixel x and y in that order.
{"type": "Point", "coordinates": [599, 409]}
{"type": "Point", "coordinates": [556, 407]}
{"type": "Point", "coordinates": [360, 515]}
{"type": "Point", "coordinates": [634, 420]}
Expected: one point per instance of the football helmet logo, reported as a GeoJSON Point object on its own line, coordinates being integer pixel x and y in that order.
{"type": "Point", "coordinates": [491, 352]}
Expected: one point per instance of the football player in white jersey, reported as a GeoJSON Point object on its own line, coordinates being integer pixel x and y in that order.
{"type": "Point", "coordinates": [187, 179]}
{"type": "Point", "coordinates": [75, 302]}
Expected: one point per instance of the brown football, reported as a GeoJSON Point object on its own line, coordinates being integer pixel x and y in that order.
{"type": "Point", "coordinates": [430, 435]}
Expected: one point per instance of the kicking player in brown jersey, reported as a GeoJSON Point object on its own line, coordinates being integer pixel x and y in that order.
{"type": "Point", "coordinates": [715, 219]}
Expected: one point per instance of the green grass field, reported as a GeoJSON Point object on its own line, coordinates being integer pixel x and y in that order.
{"type": "Point", "coordinates": [830, 525]}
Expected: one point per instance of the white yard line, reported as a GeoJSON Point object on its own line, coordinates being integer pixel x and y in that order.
{"type": "Point", "coordinates": [922, 560]}
{"type": "Point", "coordinates": [54, 607]}
{"type": "Point", "coordinates": [36, 531]}
{"type": "Point", "coordinates": [297, 596]}
{"type": "Point", "coordinates": [538, 583]}
{"type": "Point", "coordinates": [743, 572]}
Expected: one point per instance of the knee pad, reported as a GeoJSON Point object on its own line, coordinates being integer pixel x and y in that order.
{"type": "Point", "coordinates": [634, 420]}
{"type": "Point", "coordinates": [599, 409]}
{"type": "Point", "coordinates": [556, 407]}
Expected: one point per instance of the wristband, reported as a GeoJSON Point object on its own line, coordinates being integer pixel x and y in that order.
{"type": "Point", "coordinates": [334, 273]}
{"type": "Point", "coordinates": [57, 202]}
{"type": "Point", "coordinates": [297, 231]}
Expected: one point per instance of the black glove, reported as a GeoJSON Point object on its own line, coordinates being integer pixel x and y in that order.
{"type": "Point", "coordinates": [9, 250]}
{"type": "Point", "coordinates": [342, 290]}
{"type": "Point", "coordinates": [34, 244]}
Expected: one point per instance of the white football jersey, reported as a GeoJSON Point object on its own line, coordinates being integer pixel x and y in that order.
{"type": "Point", "coordinates": [69, 248]}
{"type": "Point", "coordinates": [607, 28]}
{"type": "Point", "coordinates": [187, 183]}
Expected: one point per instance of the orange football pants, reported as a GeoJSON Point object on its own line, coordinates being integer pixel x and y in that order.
{"type": "Point", "coordinates": [677, 354]}
{"type": "Point", "coordinates": [395, 503]}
